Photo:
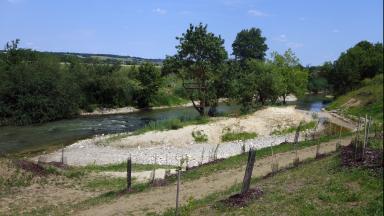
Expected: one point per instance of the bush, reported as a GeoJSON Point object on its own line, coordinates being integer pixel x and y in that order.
{"type": "Point", "coordinates": [199, 136]}
{"type": "Point", "coordinates": [231, 136]}
{"type": "Point", "coordinates": [305, 126]}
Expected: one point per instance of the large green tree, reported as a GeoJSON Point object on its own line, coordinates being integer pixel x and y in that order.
{"type": "Point", "coordinates": [149, 78]}
{"type": "Point", "coordinates": [258, 83]}
{"type": "Point", "coordinates": [364, 60]}
{"type": "Point", "coordinates": [295, 77]}
{"type": "Point", "coordinates": [199, 61]}
{"type": "Point", "coordinates": [249, 44]}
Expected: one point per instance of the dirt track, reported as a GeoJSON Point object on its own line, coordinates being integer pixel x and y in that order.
{"type": "Point", "coordinates": [159, 199]}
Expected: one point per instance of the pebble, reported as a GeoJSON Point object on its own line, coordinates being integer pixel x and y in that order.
{"type": "Point", "coordinates": [86, 152]}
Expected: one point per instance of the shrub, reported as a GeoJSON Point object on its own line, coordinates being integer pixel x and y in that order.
{"type": "Point", "coordinates": [231, 136]}
{"type": "Point", "coordinates": [199, 136]}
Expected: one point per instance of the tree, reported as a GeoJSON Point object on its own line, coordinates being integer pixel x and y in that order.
{"type": "Point", "coordinates": [249, 44]}
{"type": "Point", "coordinates": [34, 89]}
{"type": "Point", "coordinates": [259, 82]}
{"type": "Point", "coordinates": [364, 60]}
{"type": "Point", "coordinates": [200, 55]}
{"type": "Point", "coordinates": [317, 79]}
{"type": "Point", "coordinates": [149, 78]}
{"type": "Point", "coordinates": [294, 77]}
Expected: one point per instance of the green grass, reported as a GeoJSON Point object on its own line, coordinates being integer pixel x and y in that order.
{"type": "Point", "coordinates": [231, 136]}
{"type": "Point", "coordinates": [199, 136]}
{"type": "Point", "coordinates": [120, 167]}
{"type": "Point", "coordinates": [241, 160]}
{"type": "Point", "coordinates": [163, 99]}
{"type": "Point", "coordinates": [304, 126]}
{"type": "Point", "coordinates": [319, 187]}
{"type": "Point", "coordinates": [172, 124]}
{"type": "Point", "coordinates": [370, 97]}
{"type": "Point", "coordinates": [375, 143]}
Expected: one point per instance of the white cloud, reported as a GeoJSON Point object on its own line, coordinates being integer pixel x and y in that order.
{"type": "Point", "coordinates": [281, 38]}
{"type": "Point", "coordinates": [302, 18]}
{"type": "Point", "coordinates": [257, 13]}
{"type": "Point", "coordinates": [335, 30]}
{"type": "Point", "coordinates": [284, 39]}
{"type": "Point", "coordinates": [159, 11]}
{"type": "Point", "coordinates": [294, 45]}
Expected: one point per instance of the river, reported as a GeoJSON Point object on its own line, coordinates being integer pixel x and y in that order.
{"type": "Point", "coordinates": [48, 136]}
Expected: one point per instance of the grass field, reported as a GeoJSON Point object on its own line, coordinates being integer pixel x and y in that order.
{"type": "Point", "coordinates": [321, 187]}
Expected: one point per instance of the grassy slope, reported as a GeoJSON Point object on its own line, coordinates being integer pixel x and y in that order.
{"type": "Point", "coordinates": [371, 100]}
{"type": "Point", "coordinates": [318, 188]}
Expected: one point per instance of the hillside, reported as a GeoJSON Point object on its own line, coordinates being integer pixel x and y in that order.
{"type": "Point", "coordinates": [368, 99]}
{"type": "Point", "coordinates": [110, 57]}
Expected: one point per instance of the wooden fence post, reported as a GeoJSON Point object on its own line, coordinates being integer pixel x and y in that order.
{"type": "Point", "coordinates": [248, 171]}
{"type": "Point", "coordinates": [366, 137]}
{"type": "Point", "coordinates": [154, 170]}
{"type": "Point", "coordinates": [274, 165]}
{"type": "Point", "coordinates": [295, 141]}
{"type": "Point", "coordinates": [339, 142]}
{"type": "Point", "coordinates": [62, 154]}
{"type": "Point", "coordinates": [129, 174]}
{"type": "Point", "coordinates": [357, 139]}
{"type": "Point", "coordinates": [177, 191]}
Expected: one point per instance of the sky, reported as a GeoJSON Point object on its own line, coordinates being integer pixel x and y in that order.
{"type": "Point", "coordinates": [316, 30]}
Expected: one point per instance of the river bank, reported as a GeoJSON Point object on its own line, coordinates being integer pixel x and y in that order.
{"type": "Point", "coordinates": [130, 109]}
{"type": "Point", "coordinates": [168, 147]}
{"type": "Point", "coordinates": [125, 110]}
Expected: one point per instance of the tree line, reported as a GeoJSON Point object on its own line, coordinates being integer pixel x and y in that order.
{"type": "Point", "coordinates": [362, 61]}
{"type": "Point", "coordinates": [37, 87]}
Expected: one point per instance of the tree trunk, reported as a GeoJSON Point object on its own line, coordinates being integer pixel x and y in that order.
{"type": "Point", "coordinates": [212, 109]}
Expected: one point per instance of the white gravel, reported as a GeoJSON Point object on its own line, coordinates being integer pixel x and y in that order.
{"type": "Point", "coordinates": [86, 152]}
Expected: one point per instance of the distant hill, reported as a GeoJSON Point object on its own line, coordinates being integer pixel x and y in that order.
{"type": "Point", "coordinates": [109, 57]}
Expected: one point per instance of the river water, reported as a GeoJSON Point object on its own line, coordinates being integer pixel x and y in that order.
{"type": "Point", "coordinates": [49, 136]}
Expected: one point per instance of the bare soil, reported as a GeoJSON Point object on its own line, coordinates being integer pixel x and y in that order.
{"type": "Point", "coordinates": [241, 200]}
{"type": "Point", "coordinates": [373, 158]}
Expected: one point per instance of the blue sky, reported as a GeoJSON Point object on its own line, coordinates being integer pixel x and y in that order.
{"type": "Point", "coordinates": [316, 30]}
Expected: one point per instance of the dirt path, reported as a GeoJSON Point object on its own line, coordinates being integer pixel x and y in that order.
{"type": "Point", "coordinates": [159, 199]}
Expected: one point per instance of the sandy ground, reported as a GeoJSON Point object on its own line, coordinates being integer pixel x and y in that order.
{"type": "Point", "coordinates": [142, 176]}
{"type": "Point", "coordinates": [262, 122]}
{"type": "Point", "coordinates": [128, 109]}
{"type": "Point", "coordinates": [125, 110]}
{"type": "Point", "coordinates": [40, 195]}
{"type": "Point", "coordinates": [170, 146]}
{"type": "Point", "coordinates": [159, 199]}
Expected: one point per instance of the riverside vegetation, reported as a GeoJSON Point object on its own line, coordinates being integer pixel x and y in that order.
{"type": "Point", "coordinates": [37, 87]}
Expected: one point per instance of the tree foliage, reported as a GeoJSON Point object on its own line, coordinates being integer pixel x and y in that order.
{"type": "Point", "coordinates": [200, 56]}
{"type": "Point", "coordinates": [294, 77]}
{"type": "Point", "coordinates": [149, 78]}
{"type": "Point", "coordinates": [33, 90]}
{"type": "Point", "coordinates": [38, 87]}
{"type": "Point", "coordinates": [249, 44]}
{"type": "Point", "coordinates": [364, 60]}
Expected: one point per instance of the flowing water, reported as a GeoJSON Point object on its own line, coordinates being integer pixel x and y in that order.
{"type": "Point", "coordinates": [49, 136]}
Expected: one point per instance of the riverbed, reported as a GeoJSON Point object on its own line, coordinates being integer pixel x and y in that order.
{"type": "Point", "coordinates": [50, 136]}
